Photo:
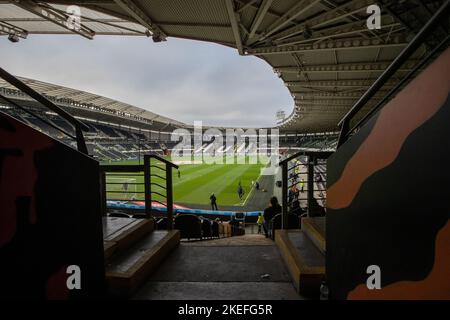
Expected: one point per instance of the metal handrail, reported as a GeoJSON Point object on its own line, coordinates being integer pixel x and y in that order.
{"type": "Point", "coordinates": [37, 117]}
{"type": "Point", "coordinates": [78, 125]}
{"type": "Point", "coordinates": [167, 162]}
{"type": "Point", "coordinates": [313, 157]}
{"type": "Point", "coordinates": [318, 154]}
{"type": "Point", "coordinates": [159, 194]}
{"type": "Point", "coordinates": [157, 184]}
{"type": "Point", "coordinates": [415, 43]}
{"type": "Point", "coordinates": [157, 176]}
{"type": "Point", "coordinates": [401, 83]}
{"type": "Point", "coordinates": [148, 192]}
{"type": "Point", "coordinates": [169, 185]}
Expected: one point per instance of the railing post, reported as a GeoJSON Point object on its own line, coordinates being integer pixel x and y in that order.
{"type": "Point", "coordinates": [284, 194]}
{"type": "Point", "coordinates": [310, 183]}
{"type": "Point", "coordinates": [147, 186]}
{"type": "Point", "coordinates": [81, 143]}
{"type": "Point", "coordinates": [169, 193]}
{"type": "Point", "coordinates": [343, 133]}
{"type": "Point", "coordinates": [103, 192]}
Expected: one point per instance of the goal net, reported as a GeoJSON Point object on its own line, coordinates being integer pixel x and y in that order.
{"type": "Point", "coordinates": [121, 188]}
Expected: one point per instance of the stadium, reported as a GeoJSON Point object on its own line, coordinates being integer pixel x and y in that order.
{"type": "Point", "coordinates": [339, 199]}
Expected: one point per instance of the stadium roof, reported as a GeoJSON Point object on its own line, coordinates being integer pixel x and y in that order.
{"type": "Point", "coordinates": [322, 49]}
{"type": "Point", "coordinates": [92, 101]}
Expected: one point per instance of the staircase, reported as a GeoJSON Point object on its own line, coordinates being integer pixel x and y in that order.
{"type": "Point", "coordinates": [303, 252]}
{"type": "Point", "coordinates": [133, 250]}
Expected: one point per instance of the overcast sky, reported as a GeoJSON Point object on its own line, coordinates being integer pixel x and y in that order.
{"type": "Point", "coordinates": [181, 79]}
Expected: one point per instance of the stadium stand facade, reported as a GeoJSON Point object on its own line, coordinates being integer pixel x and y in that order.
{"type": "Point", "coordinates": [110, 138]}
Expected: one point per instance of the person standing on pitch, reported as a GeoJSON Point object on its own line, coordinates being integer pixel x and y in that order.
{"type": "Point", "coordinates": [213, 201]}
{"type": "Point", "coordinates": [240, 191]}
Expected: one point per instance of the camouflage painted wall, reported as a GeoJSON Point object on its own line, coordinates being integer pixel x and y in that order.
{"type": "Point", "coordinates": [388, 197]}
{"type": "Point", "coordinates": [49, 216]}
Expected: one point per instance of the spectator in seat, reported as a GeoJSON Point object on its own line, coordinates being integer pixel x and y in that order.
{"type": "Point", "coordinates": [296, 208]}
{"type": "Point", "coordinates": [273, 209]}
{"type": "Point", "coordinates": [234, 226]}
{"type": "Point", "coordinates": [316, 209]}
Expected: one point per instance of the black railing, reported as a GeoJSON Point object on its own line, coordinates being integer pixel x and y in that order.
{"type": "Point", "coordinates": [441, 14]}
{"type": "Point", "coordinates": [78, 125]}
{"type": "Point", "coordinates": [168, 166]}
{"type": "Point", "coordinates": [143, 172]}
{"type": "Point", "coordinates": [312, 159]}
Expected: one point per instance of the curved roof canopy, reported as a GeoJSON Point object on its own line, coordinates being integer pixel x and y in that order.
{"type": "Point", "coordinates": [322, 49]}
{"type": "Point", "coordinates": [93, 102]}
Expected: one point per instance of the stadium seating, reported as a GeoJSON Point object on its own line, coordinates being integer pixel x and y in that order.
{"type": "Point", "coordinates": [275, 223]}
{"type": "Point", "coordinates": [206, 228]}
{"type": "Point", "coordinates": [215, 229]}
{"type": "Point", "coordinates": [111, 142]}
{"type": "Point", "coordinates": [162, 223]}
{"type": "Point", "coordinates": [189, 225]}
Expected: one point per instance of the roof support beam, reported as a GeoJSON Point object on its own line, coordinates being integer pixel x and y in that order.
{"type": "Point", "coordinates": [290, 15]}
{"type": "Point", "coordinates": [327, 17]}
{"type": "Point", "coordinates": [140, 16]}
{"type": "Point", "coordinates": [324, 103]}
{"type": "Point", "coordinates": [345, 67]}
{"type": "Point", "coordinates": [233, 16]}
{"type": "Point", "coordinates": [348, 29]}
{"type": "Point", "coordinates": [339, 83]}
{"type": "Point", "coordinates": [53, 16]}
{"type": "Point", "coordinates": [265, 5]}
{"type": "Point", "coordinates": [247, 5]}
{"type": "Point", "coordinates": [329, 107]}
{"type": "Point", "coordinates": [107, 22]}
{"type": "Point", "coordinates": [307, 98]}
{"type": "Point", "coordinates": [323, 95]}
{"type": "Point", "coordinates": [344, 44]}
{"type": "Point", "coordinates": [8, 28]}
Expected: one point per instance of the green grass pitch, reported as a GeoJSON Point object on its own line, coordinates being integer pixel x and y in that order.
{"type": "Point", "coordinates": [194, 186]}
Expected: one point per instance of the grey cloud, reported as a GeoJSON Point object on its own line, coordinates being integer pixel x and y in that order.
{"type": "Point", "coordinates": [181, 79]}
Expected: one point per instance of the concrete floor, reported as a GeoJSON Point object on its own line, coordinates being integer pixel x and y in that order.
{"type": "Point", "coordinates": [247, 267]}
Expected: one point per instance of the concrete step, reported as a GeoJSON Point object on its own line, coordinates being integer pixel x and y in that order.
{"type": "Point", "coordinates": [126, 271]}
{"type": "Point", "coordinates": [314, 228]}
{"type": "Point", "coordinates": [121, 233]}
{"type": "Point", "coordinates": [305, 262]}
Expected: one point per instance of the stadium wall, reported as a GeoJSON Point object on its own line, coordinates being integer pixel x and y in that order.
{"type": "Point", "coordinates": [50, 216]}
{"type": "Point", "coordinates": [387, 202]}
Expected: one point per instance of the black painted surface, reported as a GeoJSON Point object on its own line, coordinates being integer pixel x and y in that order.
{"type": "Point", "coordinates": [58, 224]}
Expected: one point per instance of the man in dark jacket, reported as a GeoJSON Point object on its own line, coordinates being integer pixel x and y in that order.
{"type": "Point", "coordinates": [213, 202]}
{"type": "Point", "coordinates": [273, 209]}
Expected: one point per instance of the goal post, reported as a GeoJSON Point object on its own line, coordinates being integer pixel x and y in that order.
{"type": "Point", "coordinates": [121, 188]}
